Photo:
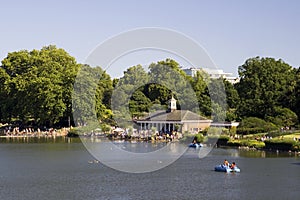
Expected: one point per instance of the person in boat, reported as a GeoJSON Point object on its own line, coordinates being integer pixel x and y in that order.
{"type": "Point", "coordinates": [194, 141]}
{"type": "Point", "coordinates": [233, 165]}
{"type": "Point", "coordinates": [226, 163]}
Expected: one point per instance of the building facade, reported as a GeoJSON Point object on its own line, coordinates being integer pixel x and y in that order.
{"type": "Point", "coordinates": [212, 73]}
{"type": "Point", "coordinates": [170, 120]}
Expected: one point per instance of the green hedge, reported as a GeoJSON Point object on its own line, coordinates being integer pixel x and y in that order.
{"type": "Point", "coordinates": [253, 125]}
{"type": "Point", "coordinates": [220, 140]}
{"type": "Point", "coordinates": [247, 131]}
{"type": "Point", "coordinates": [246, 143]}
{"type": "Point", "coordinates": [279, 144]}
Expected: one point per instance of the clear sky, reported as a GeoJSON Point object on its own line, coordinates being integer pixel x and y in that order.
{"type": "Point", "coordinates": [231, 31]}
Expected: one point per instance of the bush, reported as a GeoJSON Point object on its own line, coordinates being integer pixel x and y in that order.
{"type": "Point", "coordinates": [278, 133]}
{"type": "Point", "coordinates": [246, 143]}
{"type": "Point", "coordinates": [253, 125]}
{"type": "Point", "coordinates": [284, 117]}
{"type": "Point", "coordinates": [248, 131]}
{"type": "Point", "coordinates": [232, 130]}
{"type": "Point", "coordinates": [90, 127]}
{"type": "Point", "coordinates": [199, 138]}
{"type": "Point", "coordinates": [73, 133]}
{"type": "Point", "coordinates": [220, 140]}
{"type": "Point", "coordinates": [282, 144]}
{"type": "Point", "coordinates": [256, 144]}
{"type": "Point", "coordinates": [214, 131]}
{"type": "Point", "coordinates": [188, 138]}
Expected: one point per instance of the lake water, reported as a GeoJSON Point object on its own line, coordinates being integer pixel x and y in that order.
{"type": "Point", "coordinates": [38, 169]}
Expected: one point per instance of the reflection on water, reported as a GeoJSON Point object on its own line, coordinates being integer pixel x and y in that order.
{"type": "Point", "coordinates": [61, 168]}
{"type": "Point", "coordinates": [19, 140]}
{"type": "Point", "coordinates": [266, 154]}
{"type": "Point", "coordinates": [235, 152]}
{"type": "Point", "coordinates": [144, 147]}
{"type": "Point", "coordinates": [134, 157]}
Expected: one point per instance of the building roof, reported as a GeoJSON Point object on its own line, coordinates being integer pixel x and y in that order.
{"type": "Point", "coordinates": [176, 115]}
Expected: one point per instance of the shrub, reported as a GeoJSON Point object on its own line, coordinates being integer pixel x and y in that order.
{"type": "Point", "coordinates": [246, 143]}
{"type": "Point", "coordinates": [284, 117]}
{"type": "Point", "coordinates": [282, 144]}
{"type": "Point", "coordinates": [214, 131]}
{"type": "Point", "coordinates": [199, 138]}
{"type": "Point", "coordinates": [188, 138]}
{"type": "Point", "coordinates": [73, 133]}
{"type": "Point", "coordinates": [247, 131]}
{"type": "Point", "coordinates": [253, 125]}
{"type": "Point", "coordinates": [232, 130]}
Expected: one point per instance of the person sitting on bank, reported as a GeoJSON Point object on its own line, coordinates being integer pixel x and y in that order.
{"type": "Point", "coordinates": [226, 163]}
{"type": "Point", "coordinates": [232, 166]}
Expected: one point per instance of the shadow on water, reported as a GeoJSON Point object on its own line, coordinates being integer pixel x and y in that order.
{"type": "Point", "coordinates": [296, 163]}
{"type": "Point", "coordinates": [235, 152]}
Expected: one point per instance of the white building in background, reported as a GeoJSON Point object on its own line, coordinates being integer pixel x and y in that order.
{"type": "Point", "coordinates": [212, 73]}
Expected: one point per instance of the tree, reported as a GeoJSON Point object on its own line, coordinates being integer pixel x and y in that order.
{"type": "Point", "coordinates": [4, 96]}
{"type": "Point", "coordinates": [284, 117]}
{"type": "Point", "coordinates": [295, 97]}
{"type": "Point", "coordinates": [125, 97]}
{"type": "Point", "coordinates": [168, 79]}
{"type": "Point", "coordinates": [253, 125]}
{"type": "Point", "coordinates": [264, 84]}
{"type": "Point", "coordinates": [200, 86]}
{"type": "Point", "coordinates": [218, 99]}
{"type": "Point", "coordinates": [232, 96]}
{"type": "Point", "coordinates": [139, 104]}
{"type": "Point", "coordinates": [232, 100]}
{"type": "Point", "coordinates": [157, 93]}
{"type": "Point", "coordinates": [91, 96]}
{"type": "Point", "coordinates": [39, 84]}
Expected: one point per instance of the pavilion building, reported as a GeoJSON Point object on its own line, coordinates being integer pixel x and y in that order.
{"type": "Point", "coordinates": [167, 121]}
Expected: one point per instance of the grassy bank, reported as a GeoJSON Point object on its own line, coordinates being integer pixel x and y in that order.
{"type": "Point", "coordinates": [289, 142]}
{"type": "Point", "coordinates": [246, 143]}
{"type": "Point", "coordinates": [282, 144]}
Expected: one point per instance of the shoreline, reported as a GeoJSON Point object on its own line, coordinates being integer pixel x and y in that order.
{"type": "Point", "coordinates": [276, 147]}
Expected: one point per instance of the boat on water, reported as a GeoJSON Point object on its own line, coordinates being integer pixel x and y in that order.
{"type": "Point", "coordinates": [224, 168]}
{"type": "Point", "coordinates": [195, 145]}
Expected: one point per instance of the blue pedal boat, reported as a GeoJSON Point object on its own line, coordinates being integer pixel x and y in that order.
{"type": "Point", "coordinates": [223, 168]}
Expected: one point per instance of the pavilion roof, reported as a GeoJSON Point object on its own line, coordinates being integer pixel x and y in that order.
{"type": "Point", "coordinates": [177, 115]}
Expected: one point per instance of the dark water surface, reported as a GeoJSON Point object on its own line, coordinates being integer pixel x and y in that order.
{"type": "Point", "coordinates": [63, 169]}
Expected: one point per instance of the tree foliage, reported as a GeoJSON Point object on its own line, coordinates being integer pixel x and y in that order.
{"type": "Point", "coordinates": [37, 85]}
{"type": "Point", "coordinates": [92, 94]}
{"type": "Point", "coordinates": [265, 84]}
{"type": "Point", "coordinates": [49, 87]}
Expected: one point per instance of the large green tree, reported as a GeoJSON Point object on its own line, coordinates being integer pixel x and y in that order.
{"type": "Point", "coordinates": [127, 95]}
{"type": "Point", "coordinates": [91, 96]}
{"type": "Point", "coordinates": [295, 97]}
{"type": "Point", "coordinates": [232, 100]}
{"type": "Point", "coordinates": [38, 85]}
{"type": "Point", "coordinates": [265, 84]}
{"type": "Point", "coordinates": [168, 79]}
{"type": "Point", "coordinates": [200, 86]}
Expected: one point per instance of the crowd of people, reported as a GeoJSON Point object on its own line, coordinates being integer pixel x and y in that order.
{"type": "Point", "coordinates": [29, 131]}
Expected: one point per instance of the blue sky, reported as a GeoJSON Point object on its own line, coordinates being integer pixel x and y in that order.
{"type": "Point", "coordinates": [231, 31]}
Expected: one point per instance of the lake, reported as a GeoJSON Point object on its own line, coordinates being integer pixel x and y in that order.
{"type": "Point", "coordinates": [62, 168]}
